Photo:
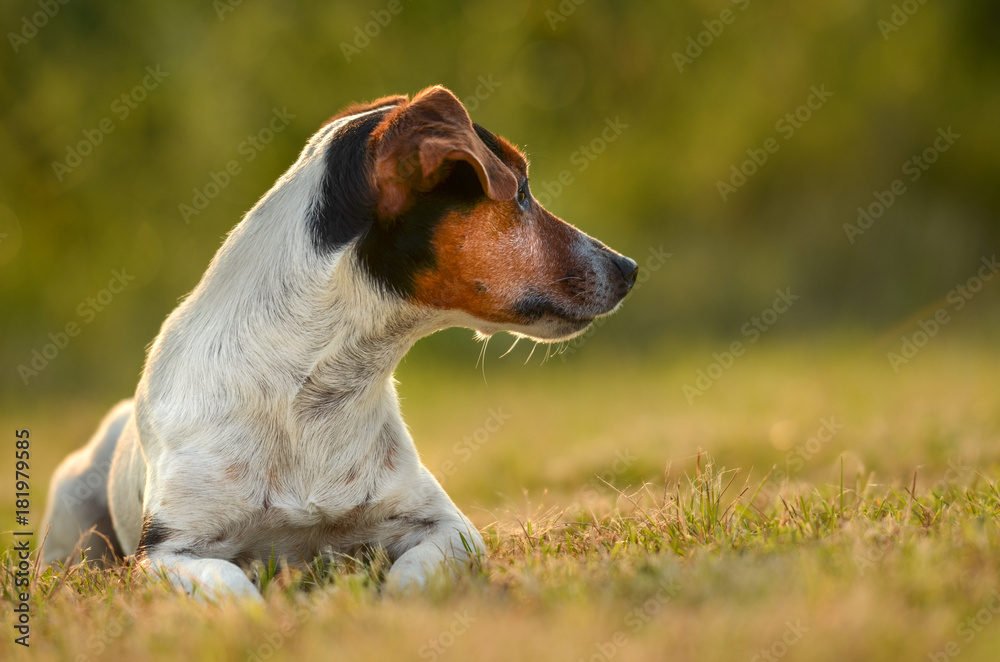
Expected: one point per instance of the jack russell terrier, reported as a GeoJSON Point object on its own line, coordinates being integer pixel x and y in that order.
{"type": "Point", "coordinates": [266, 422]}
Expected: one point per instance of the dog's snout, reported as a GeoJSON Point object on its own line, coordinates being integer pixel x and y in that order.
{"type": "Point", "coordinates": [628, 268]}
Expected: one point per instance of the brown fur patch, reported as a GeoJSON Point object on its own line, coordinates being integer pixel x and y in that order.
{"type": "Point", "coordinates": [512, 157]}
{"type": "Point", "coordinates": [414, 141]}
{"type": "Point", "coordinates": [352, 474]}
{"type": "Point", "coordinates": [236, 471]}
{"type": "Point", "coordinates": [390, 449]}
{"type": "Point", "coordinates": [487, 259]}
{"type": "Point", "coordinates": [272, 479]}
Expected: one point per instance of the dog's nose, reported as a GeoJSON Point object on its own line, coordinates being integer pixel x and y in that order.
{"type": "Point", "coordinates": [628, 268]}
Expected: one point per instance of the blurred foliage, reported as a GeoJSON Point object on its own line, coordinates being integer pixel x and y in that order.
{"type": "Point", "coordinates": [558, 71]}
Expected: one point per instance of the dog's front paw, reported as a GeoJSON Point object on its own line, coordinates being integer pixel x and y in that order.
{"type": "Point", "coordinates": [207, 580]}
{"type": "Point", "coordinates": [429, 562]}
{"type": "Point", "coordinates": [408, 575]}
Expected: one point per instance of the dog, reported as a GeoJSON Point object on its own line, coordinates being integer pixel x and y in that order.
{"type": "Point", "coordinates": [266, 422]}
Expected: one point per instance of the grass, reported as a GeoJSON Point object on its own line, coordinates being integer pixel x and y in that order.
{"type": "Point", "coordinates": [625, 523]}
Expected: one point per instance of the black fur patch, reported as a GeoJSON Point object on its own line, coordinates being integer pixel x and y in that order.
{"type": "Point", "coordinates": [346, 204]}
{"type": "Point", "coordinates": [534, 307]}
{"type": "Point", "coordinates": [153, 535]}
{"type": "Point", "coordinates": [394, 252]}
{"type": "Point", "coordinates": [489, 139]}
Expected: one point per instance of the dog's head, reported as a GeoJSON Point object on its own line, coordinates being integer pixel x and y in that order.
{"type": "Point", "coordinates": [444, 217]}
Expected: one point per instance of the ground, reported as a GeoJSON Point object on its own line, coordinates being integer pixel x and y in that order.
{"type": "Point", "coordinates": [812, 503]}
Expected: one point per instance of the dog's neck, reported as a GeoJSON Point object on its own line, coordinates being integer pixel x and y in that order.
{"type": "Point", "coordinates": [275, 327]}
{"type": "Point", "coordinates": [360, 333]}
{"type": "Point", "coordinates": [356, 335]}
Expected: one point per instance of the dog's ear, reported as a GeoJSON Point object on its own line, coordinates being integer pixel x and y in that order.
{"type": "Point", "coordinates": [416, 144]}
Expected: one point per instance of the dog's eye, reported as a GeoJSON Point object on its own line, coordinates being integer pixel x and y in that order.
{"type": "Point", "coordinates": [522, 195]}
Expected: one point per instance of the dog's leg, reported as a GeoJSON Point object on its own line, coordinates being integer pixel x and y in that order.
{"type": "Point", "coordinates": [440, 539]}
{"type": "Point", "coordinates": [446, 549]}
{"type": "Point", "coordinates": [78, 499]}
{"type": "Point", "coordinates": [205, 579]}
{"type": "Point", "coordinates": [127, 488]}
{"type": "Point", "coordinates": [173, 545]}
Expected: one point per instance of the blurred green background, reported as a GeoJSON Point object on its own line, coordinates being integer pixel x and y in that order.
{"type": "Point", "coordinates": [549, 75]}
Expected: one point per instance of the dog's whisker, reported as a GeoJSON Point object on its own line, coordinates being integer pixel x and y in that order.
{"type": "Point", "coordinates": [482, 356]}
{"type": "Point", "coordinates": [532, 353]}
{"type": "Point", "coordinates": [510, 349]}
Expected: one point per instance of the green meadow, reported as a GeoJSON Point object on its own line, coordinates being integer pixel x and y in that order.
{"type": "Point", "coordinates": [813, 504]}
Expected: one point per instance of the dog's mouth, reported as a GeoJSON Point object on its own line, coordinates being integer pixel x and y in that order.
{"type": "Point", "coordinates": [549, 320]}
{"type": "Point", "coordinates": [534, 307]}
{"type": "Point", "coordinates": [568, 328]}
